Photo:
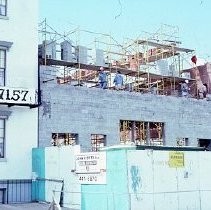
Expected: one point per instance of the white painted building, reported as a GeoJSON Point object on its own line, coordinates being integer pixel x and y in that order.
{"type": "Point", "coordinates": [18, 98]}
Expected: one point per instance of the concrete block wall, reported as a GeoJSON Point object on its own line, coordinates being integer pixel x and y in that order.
{"type": "Point", "coordinates": [48, 73]}
{"type": "Point", "coordinates": [86, 111]}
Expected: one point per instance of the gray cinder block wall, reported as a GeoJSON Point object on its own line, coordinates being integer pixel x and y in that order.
{"type": "Point", "coordinates": [86, 111]}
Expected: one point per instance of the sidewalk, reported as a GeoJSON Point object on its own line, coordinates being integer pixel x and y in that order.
{"type": "Point", "coordinates": [28, 206]}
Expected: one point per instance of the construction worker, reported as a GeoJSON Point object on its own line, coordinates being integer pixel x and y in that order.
{"type": "Point", "coordinates": [118, 81]}
{"type": "Point", "coordinates": [205, 90]}
{"type": "Point", "coordinates": [102, 78]}
{"type": "Point", "coordinates": [185, 88]}
{"type": "Point", "coordinates": [202, 91]}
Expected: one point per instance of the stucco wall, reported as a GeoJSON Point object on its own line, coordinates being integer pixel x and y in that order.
{"type": "Point", "coordinates": [20, 28]}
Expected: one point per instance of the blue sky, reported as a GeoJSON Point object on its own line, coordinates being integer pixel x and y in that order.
{"type": "Point", "coordinates": [129, 18]}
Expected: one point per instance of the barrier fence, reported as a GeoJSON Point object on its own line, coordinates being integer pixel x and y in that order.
{"type": "Point", "coordinates": [15, 191]}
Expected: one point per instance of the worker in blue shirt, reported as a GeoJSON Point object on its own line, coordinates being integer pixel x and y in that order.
{"type": "Point", "coordinates": [185, 88]}
{"type": "Point", "coordinates": [102, 79]}
{"type": "Point", "coordinates": [118, 81]}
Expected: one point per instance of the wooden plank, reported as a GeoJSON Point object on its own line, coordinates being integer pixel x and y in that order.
{"type": "Point", "coordinates": [124, 71]}
{"type": "Point", "coordinates": [170, 46]}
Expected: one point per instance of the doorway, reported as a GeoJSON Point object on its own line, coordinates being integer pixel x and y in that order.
{"type": "Point", "coordinates": [2, 196]}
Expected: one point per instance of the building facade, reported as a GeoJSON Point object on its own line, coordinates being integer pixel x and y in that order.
{"type": "Point", "coordinates": [18, 97]}
{"type": "Point", "coordinates": [94, 117]}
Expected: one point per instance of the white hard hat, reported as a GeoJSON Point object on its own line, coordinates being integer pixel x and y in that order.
{"type": "Point", "coordinates": [186, 81]}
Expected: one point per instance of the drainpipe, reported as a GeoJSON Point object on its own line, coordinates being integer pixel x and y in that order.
{"type": "Point", "coordinates": [38, 86]}
{"type": "Point", "coordinates": [39, 102]}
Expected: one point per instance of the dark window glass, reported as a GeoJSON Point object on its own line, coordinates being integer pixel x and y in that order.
{"type": "Point", "coordinates": [3, 7]}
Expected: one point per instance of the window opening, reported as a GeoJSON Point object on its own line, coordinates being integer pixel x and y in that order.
{"type": "Point", "coordinates": [2, 66]}
{"type": "Point", "coordinates": [156, 133]}
{"type": "Point", "coordinates": [206, 143]}
{"type": "Point", "coordinates": [125, 131]}
{"type": "Point", "coordinates": [141, 133]}
{"type": "Point", "coordinates": [59, 139]}
{"type": "Point", "coordinates": [3, 7]}
{"type": "Point", "coordinates": [2, 138]}
{"type": "Point", "coordinates": [97, 141]}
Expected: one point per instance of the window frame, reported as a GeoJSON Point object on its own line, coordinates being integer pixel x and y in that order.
{"type": "Point", "coordinates": [3, 69]}
{"type": "Point", "coordinates": [3, 6]}
{"type": "Point", "coordinates": [2, 156]}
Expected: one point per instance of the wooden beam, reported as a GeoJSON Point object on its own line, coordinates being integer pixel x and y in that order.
{"type": "Point", "coordinates": [169, 46]}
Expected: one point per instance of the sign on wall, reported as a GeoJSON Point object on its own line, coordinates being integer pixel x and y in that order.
{"type": "Point", "coordinates": [176, 159]}
{"type": "Point", "coordinates": [17, 95]}
{"type": "Point", "coordinates": [91, 168]}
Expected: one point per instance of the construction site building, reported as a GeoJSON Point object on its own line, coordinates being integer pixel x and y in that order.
{"type": "Point", "coordinates": [150, 109]}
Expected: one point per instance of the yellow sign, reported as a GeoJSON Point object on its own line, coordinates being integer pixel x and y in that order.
{"type": "Point", "coordinates": [176, 159]}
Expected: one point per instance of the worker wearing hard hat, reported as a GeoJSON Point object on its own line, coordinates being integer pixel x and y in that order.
{"type": "Point", "coordinates": [102, 79]}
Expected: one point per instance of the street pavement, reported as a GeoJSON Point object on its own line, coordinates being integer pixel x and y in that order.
{"type": "Point", "coordinates": [28, 206]}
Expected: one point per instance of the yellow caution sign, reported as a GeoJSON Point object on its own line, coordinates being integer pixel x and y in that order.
{"type": "Point", "coordinates": [176, 159]}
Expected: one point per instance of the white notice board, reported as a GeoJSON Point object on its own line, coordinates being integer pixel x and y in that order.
{"type": "Point", "coordinates": [91, 167]}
